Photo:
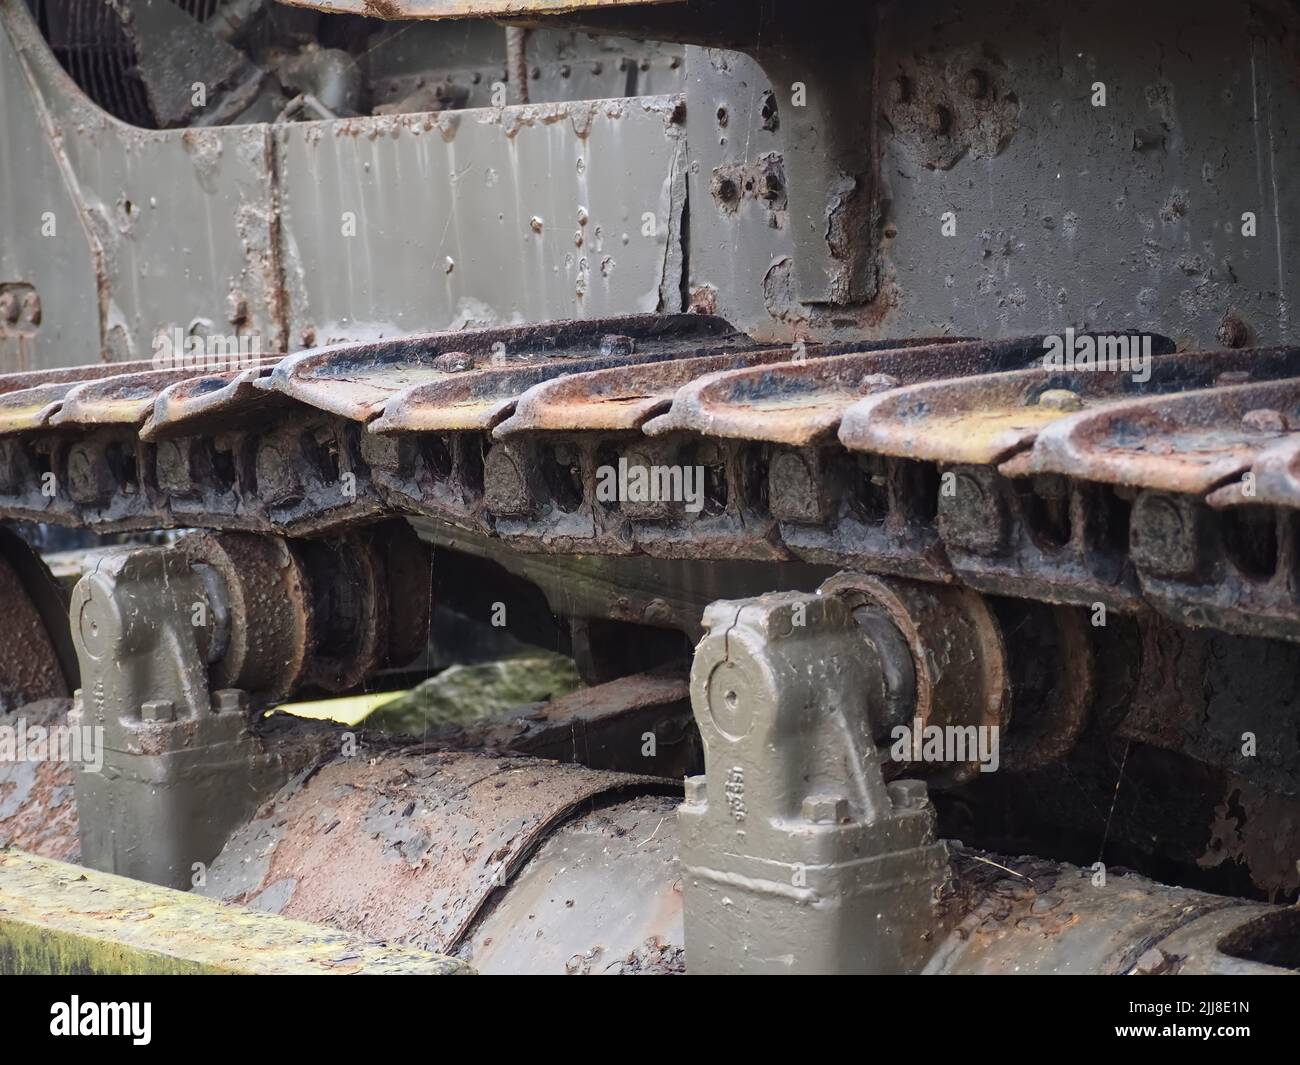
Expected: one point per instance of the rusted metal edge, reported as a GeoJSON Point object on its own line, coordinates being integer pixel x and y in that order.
{"type": "Point", "coordinates": [64, 919]}
{"type": "Point", "coordinates": [623, 398]}
{"type": "Point", "coordinates": [1275, 480]}
{"type": "Point", "coordinates": [407, 844]}
{"type": "Point", "coordinates": [127, 399]}
{"type": "Point", "coordinates": [985, 420]}
{"type": "Point", "coordinates": [800, 402]}
{"type": "Point", "coordinates": [188, 406]}
{"type": "Point", "coordinates": [355, 381]}
{"type": "Point", "coordinates": [14, 382]}
{"type": "Point", "coordinates": [480, 399]}
{"type": "Point", "coordinates": [1188, 442]}
{"type": "Point", "coordinates": [442, 9]}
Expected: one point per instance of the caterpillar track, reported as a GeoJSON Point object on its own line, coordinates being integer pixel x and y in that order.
{"type": "Point", "coordinates": [946, 460]}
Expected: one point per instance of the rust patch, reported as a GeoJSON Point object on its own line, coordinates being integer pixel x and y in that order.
{"type": "Point", "coordinates": [38, 808]}
{"type": "Point", "coordinates": [409, 844]}
{"type": "Point", "coordinates": [1259, 831]}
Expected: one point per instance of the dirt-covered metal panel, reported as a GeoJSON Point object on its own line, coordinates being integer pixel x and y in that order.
{"type": "Point", "coordinates": [1038, 165]}
{"type": "Point", "coordinates": [481, 217]}
{"type": "Point", "coordinates": [182, 220]}
{"type": "Point", "coordinates": [46, 250]}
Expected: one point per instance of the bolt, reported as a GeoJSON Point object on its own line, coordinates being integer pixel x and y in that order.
{"type": "Point", "coordinates": [794, 490]}
{"type": "Point", "coordinates": [617, 344]}
{"type": "Point", "coordinates": [1061, 399]}
{"type": "Point", "coordinates": [8, 307]}
{"type": "Point", "coordinates": [564, 70]}
{"type": "Point", "coordinates": [228, 699]}
{"type": "Point", "coordinates": [976, 84]}
{"type": "Point", "coordinates": [824, 809]}
{"type": "Point", "coordinates": [158, 710]}
{"type": "Point", "coordinates": [277, 480]}
{"type": "Point", "coordinates": [940, 120]}
{"type": "Point", "coordinates": [505, 488]}
{"type": "Point", "coordinates": [697, 791]}
{"type": "Point", "coordinates": [657, 612]}
{"type": "Point", "coordinates": [89, 478]}
{"type": "Point", "coordinates": [726, 190]}
{"type": "Point", "coordinates": [535, 224]}
{"type": "Point", "coordinates": [32, 308]}
{"type": "Point", "coordinates": [723, 117]}
{"type": "Point", "coordinates": [1264, 421]}
{"type": "Point", "coordinates": [907, 794]}
{"type": "Point", "coordinates": [172, 466]}
{"type": "Point", "coordinates": [1233, 332]}
{"type": "Point", "coordinates": [453, 362]}
{"type": "Point", "coordinates": [597, 67]}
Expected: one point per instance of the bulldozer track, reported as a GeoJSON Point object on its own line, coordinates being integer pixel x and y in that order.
{"type": "Point", "coordinates": [1174, 488]}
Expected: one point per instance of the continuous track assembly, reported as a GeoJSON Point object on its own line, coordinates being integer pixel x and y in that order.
{"type": "Point", "coordinates": [1173, 489]}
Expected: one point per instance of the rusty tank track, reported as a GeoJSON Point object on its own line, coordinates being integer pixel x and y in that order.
{"type": "Point", "coordinates": [946, 460]}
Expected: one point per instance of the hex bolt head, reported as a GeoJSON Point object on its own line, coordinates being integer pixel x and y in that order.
{"type": "Point", "coordinates": [940, 120]}
{"type": "Point", "coordinates": [826, 809]}
{"type": "Point", "coordinates": [617, 344]}
{"type": "Point", "coordinates": [795, 490]}
{"type": "Point", "coordinates": [1061, 399]}
{"type": "Point", "coordinates": [89, 478]}
{"type": "Point", "coordinates": [172, 466]}
{"type": "Point", "coordinates": [976, 84]}
{"type": "Point", "coordinates": [227, 700]}
{"type": "Point", "coordinates": [158, 710]}
{"type": "Point", "coordinates": [506, 491]}
{"type": "Point", "coordinates": [907, 794]}
{"type": "Point", "coordinates": [697, 790]}
{"type": "Point", "coordinates": [277, 480]}
{"type": "Point", "coordinates": [1264, 420]}
{"type": "Point", "coordinates": [1233, 332]}
{"type": "Point", "coordinates": [32, 309]}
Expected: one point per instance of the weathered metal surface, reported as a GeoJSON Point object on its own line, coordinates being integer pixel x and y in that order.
{"type": "Point", "coordinates": [65, 919]}
{"type": "Point", "coordinates": [29, 400]}
{"type": "Point", "coordinates": [34, 659]}
{"type": "Point", "coordinates": [1025, 915]}
{"type": "Point", "coordinates": [197, 403]}
{"type": "Point", "coordinates": [1276, 480]}
{"type": "Point", "coordinates": [38, 809]}
{"type": "Point", "coordinates": [461, 401]}
{"type": "Point", "coordinates": [436, 9]}
{"type": "Point", "coordinates": [124, 400]}
{"type": "Point", "coordinates": [604, 894]}
{"type": "Point", "coordinates": [1189, 442]}
{"type": "Point", "coordinates": [635, 724]}
{"type": "Point", "coordinates": [358, 381]}
{"type": "Point", "coordinates": [176, 228]}
{"type": "Point", "coordinates": [801, 403]}
{"type": "Point", "coordinates": [404, 845]}
{"type": "Point", "coordinates": [621, 398]}
{"type": "Point", "coordinates": [985, 420]}
{"type": "Point", "coordinates": [519, 214]}
{"type": "Point", "coordinates": [1124, 222]}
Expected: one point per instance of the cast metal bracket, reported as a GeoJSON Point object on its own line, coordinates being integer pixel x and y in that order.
{"type": "Point", "coordinates": [797, 857]}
